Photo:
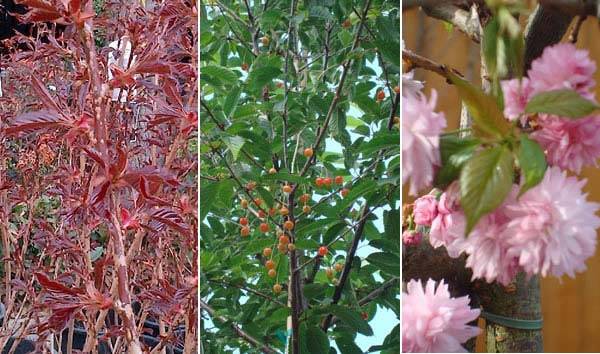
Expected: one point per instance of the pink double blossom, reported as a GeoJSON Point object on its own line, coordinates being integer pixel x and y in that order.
{"type": "Point", "coordinates": [448, 227]}
{"type": "Point", "coordinates": [552, 227]}
{"type": "Point", "coordinates": [516, 95]}
{"type": "Point", "coordinates": [435, 322]}
{"type": "Point", "coordinates": [421, 127]}
{"type": "Point", "coordinates": [425, 210]}
{"type": "Point", "coordinates": [569, 143]}
{"type": "Point", "coordinates": [563, 66]}
{"type": "Point", "coordinates": [411, 237]}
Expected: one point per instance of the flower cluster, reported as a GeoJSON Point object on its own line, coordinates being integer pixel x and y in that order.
{"type": "Point", "coordinates": [550, 229]}
{"type": "Point", "coordinates": [434, 322]}
{"type": "Point", "coordinates": [569, 144]}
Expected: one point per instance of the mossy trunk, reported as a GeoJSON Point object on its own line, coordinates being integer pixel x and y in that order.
{"type": "Point", "coordinates": [520, 300]}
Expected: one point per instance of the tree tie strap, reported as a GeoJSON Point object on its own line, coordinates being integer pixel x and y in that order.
{"type": "Point", "coordinates": [513, 322]}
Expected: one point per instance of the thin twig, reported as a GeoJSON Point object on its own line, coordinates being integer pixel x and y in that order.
{"type": "Point", "coordinates": [240, 333]}
{"type": "Point", "coordinates": [414, 60]}
{"type": "Point", "coordinates": [250, 290]}
{"type": "Point", "coordinates": [576, 27]}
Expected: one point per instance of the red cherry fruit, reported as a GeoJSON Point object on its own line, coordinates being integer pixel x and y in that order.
{"type": "Point", "coordinates": [243, 221]}
{"type": "Point", "coordinates": [264, 227]}
{"type": "Point", "coordinates": [323, 251]}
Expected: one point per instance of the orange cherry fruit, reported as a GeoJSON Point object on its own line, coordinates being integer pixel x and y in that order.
{"type": "Point", "coordinates": [329, 273]}
{"type": "Point", "coordinates": [288, 225]}
{"type": "Point", "coordinates": [284, 211]}
{"type": "Point", "coordinates": [245, 231]}
{"type": "Point", "coordinates": [304, 198]}
{"type": "Point", "coordinates": [308, 152]}
{"type": "Point", "coordinates": [270, 264]}
{"type": "Point", "coordinates": [284, 239]}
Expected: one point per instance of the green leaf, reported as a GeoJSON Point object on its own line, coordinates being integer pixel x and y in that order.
{"type": "Point", "coordinates": [488, 119]}
{"type": "Point", "coordinates": [360, 190]}
{"type": "Point", "coordinates": [259, 77]}
{"type": "Point", "coordinates": [485, 181]}
{"type": "Point", "coordinates": [387, 262]}
{"type": "Point", "coordinates": [208, 193]}
{"type": "Point", "coordinates": [235, 144]}
{"type": "Point", "coordinates": [316, 340]}
{"type": "Point", "coordinates": [455, 152]}
{"type": "Point", "coordinates": [347, 345]}
{"type": "Point", "coordinates": [351, 318]}
{"type": "Point", "coordinates": [231, 102]}
{"type": "Point", "coordinates": [218, 76]}
{"type": "Point", "coordinates": [381, 141]}
{"type": "Point", "coordinates": [533, 163]}
{"type": "Point", "coordinates": [306, 228]}
{"type": "Point", "coordinates": [564, 103]}
{"type": "Point", "coordinates": [314, 290]}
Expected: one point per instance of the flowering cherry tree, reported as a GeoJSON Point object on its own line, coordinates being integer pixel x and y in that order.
{"type": "Point", "coordinates": [499, 201]}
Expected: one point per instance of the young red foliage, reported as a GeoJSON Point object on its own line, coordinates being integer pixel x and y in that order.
{"type": "Point", "coordinates": [98, 180]}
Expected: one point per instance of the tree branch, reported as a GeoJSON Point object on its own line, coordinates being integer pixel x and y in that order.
{"type": "Point", "coordinates": [448, 12]}
{"type": "Point", "coordinates": [380, 290]}
{"type": "Point", "coordinates": [416, 61]}
{"type": "Point", "coordinates": [241, 333]}
{"type": "Point", "coordinates": [337, 294]}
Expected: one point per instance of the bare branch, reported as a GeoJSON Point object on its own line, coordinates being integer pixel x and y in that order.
{"type": "Point", "coordinates": [414, 60]}
{"type": "Point", "coordinates": [459, 18]}
{"type": "Point", "coordinates": [380, 290]}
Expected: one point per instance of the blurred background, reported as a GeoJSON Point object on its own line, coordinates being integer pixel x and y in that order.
{"type": "Point", "coordinates": [571, 307]}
